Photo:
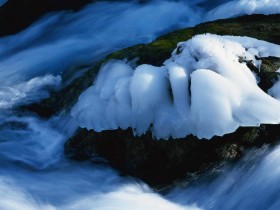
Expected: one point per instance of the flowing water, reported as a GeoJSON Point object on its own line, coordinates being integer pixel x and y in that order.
{"type": "Point", "coordinates": [34, 173]}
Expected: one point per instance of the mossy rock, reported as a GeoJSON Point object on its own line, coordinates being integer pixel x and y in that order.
{"type": "Point", "coordinates": [267, 72]}
{"type": "Point", "coordinates": [264, 27]}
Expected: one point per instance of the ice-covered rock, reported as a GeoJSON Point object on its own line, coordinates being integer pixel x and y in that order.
{"type": "Point", "coordinates": [203, 89]}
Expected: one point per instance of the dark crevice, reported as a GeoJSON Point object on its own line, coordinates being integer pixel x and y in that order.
{"type": "Point", "coordinates": [190, 91]}
{"type": "Point", "coordinates": [170, 92]}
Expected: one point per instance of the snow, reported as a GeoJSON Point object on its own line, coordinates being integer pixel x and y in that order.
{"type": "Point", "coordinates": [204, 90]}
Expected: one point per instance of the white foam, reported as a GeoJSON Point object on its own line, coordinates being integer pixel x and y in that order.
{"type": "Point", "coordinates": [242, 7]}
{"type": "Point", "coordinates": [128, 197]}
{"type": "Point", "coordinates": [28, 92]}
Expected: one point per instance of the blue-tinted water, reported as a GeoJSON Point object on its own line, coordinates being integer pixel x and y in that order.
{"type": "Point", "coordinates": [34, 173]}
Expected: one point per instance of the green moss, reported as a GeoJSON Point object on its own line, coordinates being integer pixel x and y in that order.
{"type": "Point", "coordinates": [268, 72]}
{"type": "Point", "coordinates": [155, 53]}
{"type": "Point", "coordinates": [270, 64]}
{"type": "Point", "coordinates": [257, 26]}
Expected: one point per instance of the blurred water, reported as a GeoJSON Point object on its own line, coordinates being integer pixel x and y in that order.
{"type": "Point", "coordinates": [66, 40]}
{"type": "Point", "coordinates": [253, 183]}
{"type": "Point", "coordinates": [2, 2]}
{"type": "Point", "coordinates": [34, 173]}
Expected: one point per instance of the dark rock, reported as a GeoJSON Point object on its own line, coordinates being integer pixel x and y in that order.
{"type": "Point", "coordinates": [266, 72]}
{"type": "Point", "coordinates": [270, 64]}
{"type": "Point", "coordinates": [160, 162]}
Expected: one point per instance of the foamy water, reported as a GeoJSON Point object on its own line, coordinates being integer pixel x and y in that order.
{"type": "Point", "coordinates": [34, 173]}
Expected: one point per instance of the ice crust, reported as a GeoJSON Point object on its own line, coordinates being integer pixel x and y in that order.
{"type": "Point", "coordinates": [203, 89]}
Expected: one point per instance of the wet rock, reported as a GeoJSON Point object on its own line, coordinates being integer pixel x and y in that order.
{"type": "Point", "coordinates": [160, 162]}
{"type": "Point", "coordinates": [268, 73]}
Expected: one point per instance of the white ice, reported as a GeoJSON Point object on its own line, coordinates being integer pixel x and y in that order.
{"type": "Point", "coordinates": [204, 90]}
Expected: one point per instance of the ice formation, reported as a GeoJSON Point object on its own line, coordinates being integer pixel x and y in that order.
{"type": "Point", "coordinates": [203, 89]}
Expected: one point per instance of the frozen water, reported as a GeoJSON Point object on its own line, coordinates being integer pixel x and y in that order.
{"type": "Point", "coordinates": [204, 91]}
